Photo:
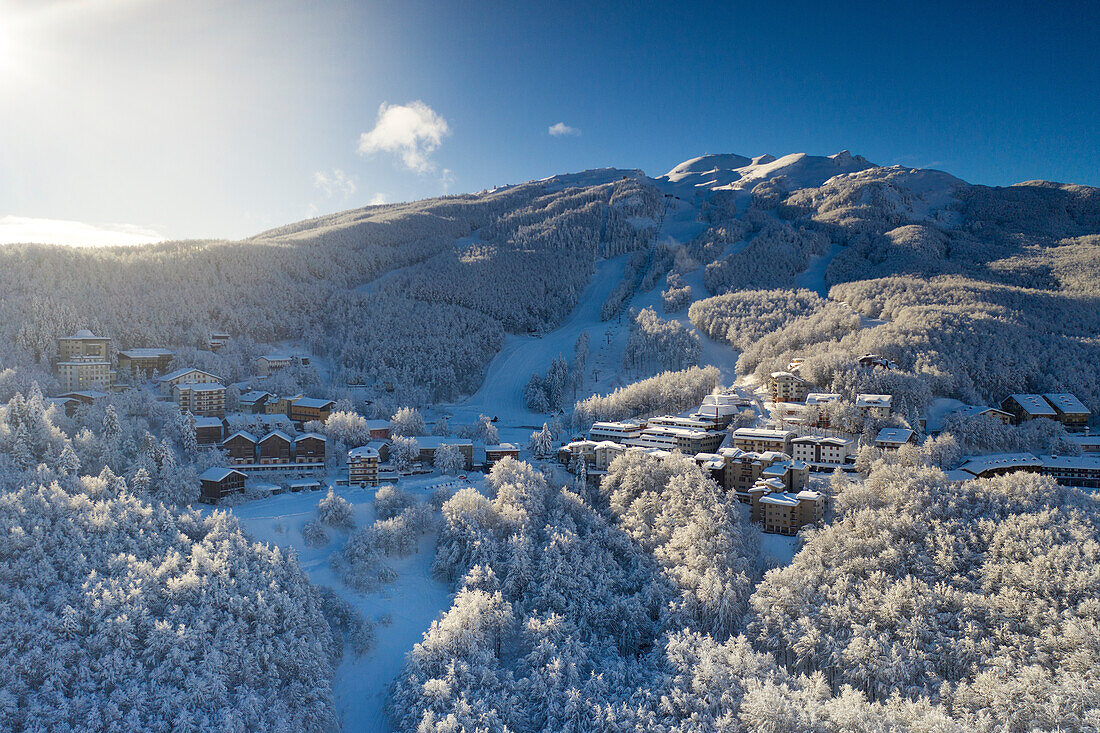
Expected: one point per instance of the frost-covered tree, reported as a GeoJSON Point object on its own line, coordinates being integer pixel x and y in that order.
{"type": "Point", "coordinates": [404, 452]}
{"type": "Point", "coordinates": [448, 459]}
{"type": "Point", "coordinates": [408, 422]}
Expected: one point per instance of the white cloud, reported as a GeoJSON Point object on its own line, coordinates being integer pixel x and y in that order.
{"type": "Point", "coordinates": [378, 199]}
{"type": "Point", "coordinates": [412, 131]}
{"type": "Point", "coordinates": [29, 230]}
{"type": "Point", "coordinates": [336, 183]}
{"type": "Point", "coordinates": [446, 179]}
{"type": "Point", "coordinates": [561, 130]}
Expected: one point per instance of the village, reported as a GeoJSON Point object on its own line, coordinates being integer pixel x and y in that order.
{"type": "Point", "coordinates": [767, 445]}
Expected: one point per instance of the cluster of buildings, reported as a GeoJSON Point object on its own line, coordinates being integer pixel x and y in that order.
{"type": "Point", "coordinates": [1061, 407]}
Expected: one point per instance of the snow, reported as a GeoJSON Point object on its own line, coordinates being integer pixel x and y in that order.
{"type": "Point", "coordinates": [737, 173]}
{"type": "Point", "coordinates": [938, 411]}
{"type": "Point", "coordinates": [778, 547]}
{"type": "Point", "coordinates": [413, 601]}
{"type": "Point", "coordinates": [813, 277]}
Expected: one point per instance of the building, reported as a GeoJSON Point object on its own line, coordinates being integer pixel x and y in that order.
{"type": "Point", "coordinates": [998, 464]}
{"type": "Point", "coordinates": [970, 411]}
{"type": "Point", "coordinates": [379, 429]}
{"type": "Point", "coordinates": [720, 409]}
{"type": "Point", "coordinates": [1088, 443]}
{"type": "Point", "coordinates": [268, 364]}
{"type": "Point", "coordinates": [688, 441]}
{"type": "Point", "coordinates": [1082, 471]}
{"type": "Point", "coordinates": [363, 466]}
{"type": "Point", "coordinates": [875, 406]}
{"type": "Point", "coordinates": [762, 439]}
{"type": "Point", "coordinates": [618, 432]}
{"type": "Point", "coordinates": [83, 343]}
{"type": "Point", "coordinates": [217, 483]}
{"type": "Point", "coordinates": [305, 409]}
{"type": "Point", "coordinates": [494, 453]}
{"type": "Point", "coordinates": [257, 424]}
{"type": "Point", "coordinates": [241, 447]}
{"type": "Point", "coordinates": [208, 430]}
{"type": "Point", "coordinates": [305, 485]}
{"type": "Point", "coordinates": [787, 512]}
{"type": "Point", "coordinates": [383, 448]}
{"type": "Point", "coordinates": [673, 421]}
{"type": "Point", "coordinates": [281, 405]}
{"type": "Point", "coordinates": [605, 452]}
{"type": "Point", "coordinates": [822, 451]}
{"type": "Point", "coordinates": [255, 401]}
{"type": "Point", "coordinates": [85, 373]}
{"type": "Point", "coordinates": [275, 448]}
{"type": "Point", "coordinates": [186, 375]}
{"type": "Point", "coordinates": [891, 439]}
{"type": "Point", "coordinates": [787, 387]}
{"type": "Point", "coordinates": [144, 363]}
{"type": "Point", "coordinates": [874, 361]}
{"type": "Point", "coordinates": [1069, 410]}
{"type": "Point", "coordinates": [1024, 407]}
{"type": "Point", "coordinates": [737, 470]}
{"type": "Point", "coordinates": [817, 399]}
{"type": "Point", "coordinates": [585, 449]}
{"type": "Point", "coordinates": [201, 398]}
{"type": "Point", "coordinates": [216, 340]}
{"type": "Point", "coordinates": [310, 448]}
{"type": "Point", "coordinates": [430, 443]}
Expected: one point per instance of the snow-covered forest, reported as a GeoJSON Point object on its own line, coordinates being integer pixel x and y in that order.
{"type": "Point", "coordinates": [644, 600]}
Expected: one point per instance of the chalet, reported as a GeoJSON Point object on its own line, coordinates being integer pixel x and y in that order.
{"type": "Point", "coordinates": [255, 401]}
{"type": "Point", "coordinates": [430, 443]}
{"type": "Point", "coordinates": [186, 375]}
{"type": "Point", "coordinates": [617, 432]}
{"type": "Point", "coordinates": [494, 453]}
{"type": "Point", "coordinates": [1069, 410]}
{"type": "Point", "coordinates": [383, 448]}
{"type": "Point", "coordinates": [787, 387]}
{"type": "Point", "coordinates": [66, 404]}
{"type": "Point", "coordinates": [268, 364]}
{"type": "Point", "coordinates": [85, 396]}
{"type": "Point", "coordinates": [143, 363]}
{"type": "Point", "coordinates": [305, 409]}
{"type": "Point", "coordinates": [363, 466]}
{"type": "Point", "coordinates": [762, 439]}
{"type": "Point", "coordinates": [200, 398]}
{"type": "Point", "coordinates": [208, 430]}
{"type": "Point", "coordinates": [217, 483]}
{"type": "Point", "coordinates": [891, 439]}
{"type": "Point", "coordinates": [1024, 407]}
{"type": "Point", "coordinates": [275, 447]}
{"type": "Point", "coordinates": [875, 406]}
{"type": "Point", "coordinates": [821, 451]}
{"type": "Point", "coordinates": [241, 447]}
{"type": "Point", "coordinates": [309, 448]}
{"type": "Point", "coordinates": [258, 424]}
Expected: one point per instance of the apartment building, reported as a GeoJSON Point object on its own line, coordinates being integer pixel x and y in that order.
{"type": "Point", "coordinates": [310, 448]}
{"type": "Point", "coordinates": [429, 444]}
{"type": "Point", "coordinates": [760, 440]}
{"type": "Point", "coordinates": [605, 452]}
{"type": "Point", "coordinates": [218, 483]}
{"type": "Point", "coordinates": [821, 451]}
{"type": "Point", "coordinates": [618, 432]}
{"type": "Point", "coordinates": [495, 453]}
{"type": "Point", "coordinates": [363, 466]}
{"type": "Point", "coordinates": [208, 430]}
{"type": "Point", "coordinates": [241, 447]}
{"type": "Point", "coordinates": [144, 363]}
{"type": "Point", "coordinates": [686, 440]}
{"type": "Point", "coordinates": [1024, 407]}
{"type": "Point", "coordinates": [185, 375]}
{"type": "Point", "coordinates": [200, 398]}
{"type": "Point", "coordinates": [891, 439]}
{"type": "Point", "coordinates": [83, 343]}
{"type": "Point", "coordinates": [1069, 410]}
{"type": "Point", "coordinates": [305, 409]}
{"type": "Point", "coordinates": [85, 373]}
{"type": "Point", "coordinates": [787, 387]}
{"type": "Point", "coordinates": [875, 406]}
{"type": "Point", "coordinates": [787, 512]}
{"type": "Point", "coordinates": [275, 448]}
{"type": "Point", "coordinates": [255, 401]}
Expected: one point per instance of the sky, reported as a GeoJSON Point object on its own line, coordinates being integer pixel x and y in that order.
{"type": "Point", "coordinates": [125, 121]}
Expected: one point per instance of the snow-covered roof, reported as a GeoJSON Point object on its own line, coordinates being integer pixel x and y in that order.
{"type": "Point", "coordinates": [1065, 402]}
{"type": "Point", "coordinates": [183, 371]}
{"type": "Point", "coordinates": [243, 434]}
{"type": "Point", "coordinates": [216, 473]}
{"type": "Point", "coordinates": [304, 483]}
{"type": "Point", "coordinates": [201, 387]}
{"type": "Point", "coordinates": [957, 474]}
{"type": "Point", "coordinates": [820, 398]}
{"type": "Point", "coordinates": [980, 464]}
{"type": "Point", "coordinates": [377, 424]}
{"type": "Point", "coordinates": [781, 498]}
{"type": "Point", "coordinates": [513, 447]}
{"type": "Point", "coordinates": [82, 334]}
{"type": "Point", "coordinates": [783, 375]}
{"type": "Point", "coordinates": [821, 440]}
{"type": "Point", "coordinates": [277, 434]}
{"type": "Point", "coordinates": [1087, 462]}
{"type": "Point", "coordinates": [276, 357]}
{"type": "Point", "coordinates": [264, 487]}
{"type": "Point", "coordinates": [434, 441]}
{"type": "Point", "coordinates": [725, 400]}
{"type": "Point", "coordinates": [894, 435]}
{"type": "Point", "coordinates": [763, 434]}
{"type": "Point", "coordinates": [809, 494]}
{"type": "Point", "coordinates": [255, 395]}
{"type": "Point", "coordinates": [315, 436]}
{"type": "Point", "coordinates": [975, 410]}
{"type": "Point", "coordinates": [874, 400]}
{"type": "Point", "coordinates": [1033, 404]}
{"type": "Point", "coordinates": [145, 353]}
{"type": "Point", "coordinates": [90, 394]}
{"type": "Point", "coordinates": [1088, 443]}
{"type": "Point", "coordinates": [363, 451]}
{"type": "Point", "coordinates": [313, 402]}
{"type": "Point", "coordinates": [207, 422]}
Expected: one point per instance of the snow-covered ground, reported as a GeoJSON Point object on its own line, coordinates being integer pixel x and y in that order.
{"type": "Point", "coordinates": [777, 547]}
{"type": "Point", "coordinates": [412, 602]}
{"type": "Point", "coordinates": [813, 277]}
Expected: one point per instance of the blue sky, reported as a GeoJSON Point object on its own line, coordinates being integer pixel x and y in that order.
{"type": "Point", "coordinates": [202, 118]}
